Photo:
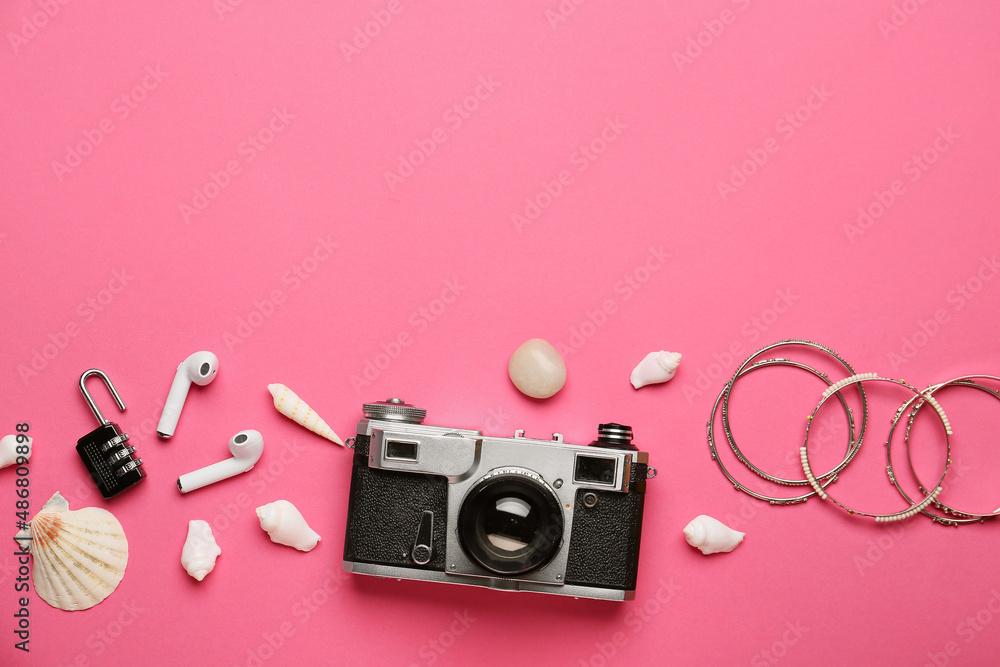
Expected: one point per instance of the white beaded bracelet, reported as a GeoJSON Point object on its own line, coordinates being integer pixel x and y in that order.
{"type": "Point", "coordinates": [915, 507]}
{"type": "Point", "coordinates": [951, 516]}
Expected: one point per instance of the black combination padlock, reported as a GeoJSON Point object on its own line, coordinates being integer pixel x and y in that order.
{"type": "Point", "coordinates": [109, 459]}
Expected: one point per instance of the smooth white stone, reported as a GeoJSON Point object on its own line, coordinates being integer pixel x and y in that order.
{"type": "Point", "coordinates": [536, 369]}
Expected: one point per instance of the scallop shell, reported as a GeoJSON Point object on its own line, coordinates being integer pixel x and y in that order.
{"type": "Point", "coordinates": [200, 549]}
{"type": "Point", "coordinates": [293, 407]}
{"type": "Point", "coordinates": [79, 557]}
{"type": "Point", "coordinates": [8, 450]}
{"type": "Point", "coordinates": [655, 367]}
{"type": "Point", "coordinates": [712, 536]}
{"type": "Point", "coordinates": [285, 524]}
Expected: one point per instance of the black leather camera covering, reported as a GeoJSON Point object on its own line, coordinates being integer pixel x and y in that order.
{"type": "Point", "coordinates": [384, 513]}
{"type": "Point", "coordinates": [604, 547]}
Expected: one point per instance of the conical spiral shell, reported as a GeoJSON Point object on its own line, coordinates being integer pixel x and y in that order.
{"type": "Point", "coordinates": [293, 407]}
{"type": "Point", "coordinates": [79, 557]}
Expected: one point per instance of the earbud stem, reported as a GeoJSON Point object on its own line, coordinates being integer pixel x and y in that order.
{"type": "Point", "coordinates": [175, 401]}
{"type": "Point", "coordinates": [211, 474]}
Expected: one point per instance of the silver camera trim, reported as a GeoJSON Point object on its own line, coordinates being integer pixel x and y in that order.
{"type": "Point", "coordinates": [465, 457]}
{"type": "Point", "coordinates": [500, 584]}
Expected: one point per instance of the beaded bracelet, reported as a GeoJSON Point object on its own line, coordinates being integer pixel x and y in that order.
{"type": "Point", "coordinates": [914, 508]}
{"type": "Point", "coordinates": [711, 433]}
{"type": "Point", "coordinates": [952, 516]}
{"type": "Point", "coordinates": [853, 444]}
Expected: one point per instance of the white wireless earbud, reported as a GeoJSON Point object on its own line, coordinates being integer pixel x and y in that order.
{"type": "Point", "coordinates": [200, 368]}
{"type": "Point", "coordinates": [246, 446]}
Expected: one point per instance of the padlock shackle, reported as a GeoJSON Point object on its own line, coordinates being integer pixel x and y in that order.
{"type": "Point", "coordinates": [90, 401]}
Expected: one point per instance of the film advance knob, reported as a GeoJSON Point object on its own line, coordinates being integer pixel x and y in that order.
{"type": "Point", "coordinates": [394, 410]}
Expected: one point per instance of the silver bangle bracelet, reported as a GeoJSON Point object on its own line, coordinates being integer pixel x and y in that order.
{"type": "Point", "coordinates": [715, 455]}
{"type": "Point", "coordinates": [854, 444]}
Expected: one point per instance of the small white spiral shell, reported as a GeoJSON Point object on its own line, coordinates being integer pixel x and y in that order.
{"type": "Point", "coordinates": [711, 536]}
{"type": "Point", "coordinates": [200, 549]}
{"type": "Point", "coordinates": [655, 367]}
{"type": "Point", "coordinates": [286, 525]}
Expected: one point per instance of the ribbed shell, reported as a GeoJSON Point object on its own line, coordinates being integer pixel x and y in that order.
{"type": "Point", "coordinates": [289, 404]}
{"type": "Point", "coordinates": [79, 557]}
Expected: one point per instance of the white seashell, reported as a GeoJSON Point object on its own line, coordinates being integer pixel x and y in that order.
{"type": "Point", "coordinates": [298, 411]}
{"type": "Point", "coordinates": [655, 367]}
{"type": "Point", "coordinates": [711, 536]}
{"type": "Point", "coordinates": [284, 523]}
{"type": "Point", "coordinates": [8, 450]}
{"type": "Point", "coordinates": [79, 556]}
{"type": "Point", "coordinates": [536, 369]}
{"type": "Point", "coordinates": [200, 549]}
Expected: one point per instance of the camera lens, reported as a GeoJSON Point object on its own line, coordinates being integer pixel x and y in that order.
{"type": "Point", "coordinates": [510, 523]}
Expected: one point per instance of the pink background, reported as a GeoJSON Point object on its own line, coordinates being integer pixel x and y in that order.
{"type": "Point", "coordinates": [161, 106]}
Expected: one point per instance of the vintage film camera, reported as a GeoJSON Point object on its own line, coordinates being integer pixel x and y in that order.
{"type": "Point", "coordinates": [451, 505]}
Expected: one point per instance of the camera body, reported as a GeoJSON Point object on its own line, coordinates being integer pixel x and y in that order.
{"type": "Point", "coordinates": [451, 505]}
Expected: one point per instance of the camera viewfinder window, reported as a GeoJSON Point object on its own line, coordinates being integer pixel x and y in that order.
{"type": "Point", "coordinates": [594, 469]}
{"type": "Point", "coordinates": [403, 451]}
